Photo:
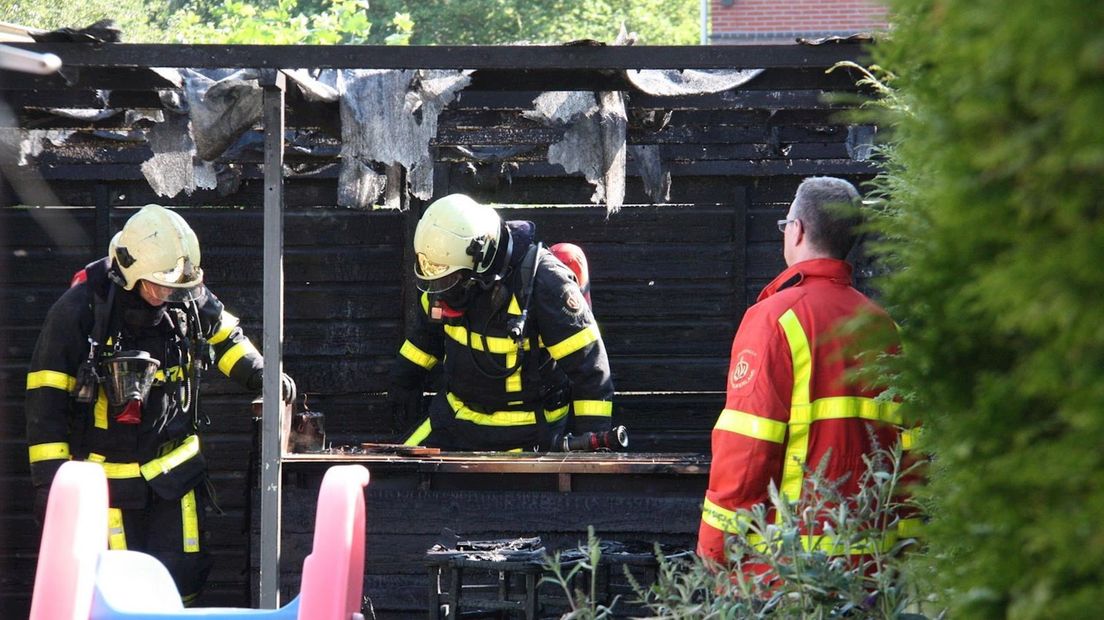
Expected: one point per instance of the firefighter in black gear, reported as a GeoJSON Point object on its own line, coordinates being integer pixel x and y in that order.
{"type": "Point", "coordinates": [523, 358]}
{"type": "Point", "coordinates": [114, 379]}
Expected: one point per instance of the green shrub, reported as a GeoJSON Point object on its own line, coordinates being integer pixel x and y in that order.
{"type": "Point", "coordinates": [994, 232]}
{"type": "Point", "coordinates": [813, 584]}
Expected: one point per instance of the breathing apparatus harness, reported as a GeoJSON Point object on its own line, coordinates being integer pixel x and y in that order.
{"type": "Point", "coordinates": [127, 376]}
{"type": "Point", "coordinates": [515, 325]}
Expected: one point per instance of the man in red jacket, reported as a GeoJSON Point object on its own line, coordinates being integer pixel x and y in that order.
{"type": "Point", "coordinates": [791, 399]}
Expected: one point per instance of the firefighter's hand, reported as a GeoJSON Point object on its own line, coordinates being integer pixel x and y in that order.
{"type": "Point", "coordinates": [287, 388]}
{"type": "Point", "coordinates": [287, 393]}
{"type": "Point", "coordinates": [406, 406]}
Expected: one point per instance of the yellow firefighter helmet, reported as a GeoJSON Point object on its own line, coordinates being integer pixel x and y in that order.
{"type": "Point", "coordinates": [158, 246]}
{"type": "Point", "coordinates": [455, 238]}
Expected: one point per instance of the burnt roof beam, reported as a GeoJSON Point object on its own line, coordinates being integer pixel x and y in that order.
{"type": "Point", "coordinates": [512, 57]}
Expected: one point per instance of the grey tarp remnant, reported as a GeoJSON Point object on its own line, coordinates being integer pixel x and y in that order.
{"type": "Point", "coordinates": [221, 111]}
{"type": "Point", "coordinates": [593, 141]}
{"type": "Point", "coordinates": [173, 167]}
{"type": "Point", "coordinates": [389, 117]}
{"type": "Point", "coordinates": [138, 115]}
{"type": "Point", "coordinates": [221, 106]}
{"type": "Point", "coordinates": [85, 114]}
{"type": "Point", "coordinates": [614, 124]}
{"type": "Point", "coordinates": [652, 171]}
{"type": "Point", "coordinates": [671, 82]}
{"type": "Point", "coordinates": [596, 128]}
{"type": "Point", "coordinates": [29, 143]}
{"type": "Point", "coordinates": [311, 88]}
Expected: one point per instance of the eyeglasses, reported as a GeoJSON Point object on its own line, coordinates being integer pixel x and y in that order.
{"type": "Point", "coordinates": [782, 224]}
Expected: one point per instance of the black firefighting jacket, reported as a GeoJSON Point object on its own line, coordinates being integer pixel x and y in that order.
{"type": "Point", "coordinates": [162, 451]}
{"type": "Point", "coordinates": [564, 365]}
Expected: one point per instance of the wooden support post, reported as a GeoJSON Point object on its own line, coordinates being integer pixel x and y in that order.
{"type": "Point", "coordinates": [273, 294]}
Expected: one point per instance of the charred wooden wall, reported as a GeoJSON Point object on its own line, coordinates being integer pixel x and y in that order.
{"type": "Point", "coordinates": [670, 284]}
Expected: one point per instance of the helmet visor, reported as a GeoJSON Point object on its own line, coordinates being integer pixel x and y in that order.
{"type": "Point", "coordinates": [174, 294]}
{"type": "Point", "coordinates": [438, 277]}
{"type": "Point", "coordinates": [444, 283]}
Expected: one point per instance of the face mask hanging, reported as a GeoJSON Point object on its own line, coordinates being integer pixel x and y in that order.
{"type": "Point", "coordinates": [128, 377]}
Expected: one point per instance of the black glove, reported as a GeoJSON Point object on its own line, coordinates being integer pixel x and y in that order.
{"type": "Point", "coordinates": [287, 385]}
{"type": "Point", "coordinates": [287, 388]}
{"type": "Point", "coordinates": [406, 406]}
{"type": "Point", "coordinates": [42, 495]}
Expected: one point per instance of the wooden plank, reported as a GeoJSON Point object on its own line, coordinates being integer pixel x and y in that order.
{"type": "Point", "coordinates": [519, 463]}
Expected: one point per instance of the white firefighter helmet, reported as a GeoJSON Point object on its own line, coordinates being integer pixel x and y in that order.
{"type": "Point", "coordinates": [158, 246]}
{"type": "Point", "coordinates": [455, 238]}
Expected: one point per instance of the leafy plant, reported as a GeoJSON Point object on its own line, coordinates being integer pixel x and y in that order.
{"type": "Point", "coordinates": [487, 22]}
{"type": "Point", "coordinates": [785, 573]}
{"type": "Point", "coordinates": [279, 23]}
{"type": "Point", "coordinates": [583, 603]}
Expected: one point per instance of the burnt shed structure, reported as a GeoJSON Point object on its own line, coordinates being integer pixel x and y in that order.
{"type": "Point", "coordinates": [673, 268]}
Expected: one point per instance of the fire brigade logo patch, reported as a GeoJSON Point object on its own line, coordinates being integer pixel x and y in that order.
{"type": "Point", "coordinates": [573, 299]}
{"type": "Point", "coordinates": [744, 369]}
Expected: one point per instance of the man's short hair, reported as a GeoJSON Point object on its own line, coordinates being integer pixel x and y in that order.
{"type": "Point", "coordinates": [829, 210]}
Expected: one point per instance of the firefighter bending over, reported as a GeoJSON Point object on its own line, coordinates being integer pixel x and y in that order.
{"type": "Point", "coordinates": [521, 350]}
{"type": "Point", "coordinates": [114, 379]}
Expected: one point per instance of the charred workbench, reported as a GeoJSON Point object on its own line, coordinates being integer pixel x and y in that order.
{"type": "Point", "coordinates": [632, 497]}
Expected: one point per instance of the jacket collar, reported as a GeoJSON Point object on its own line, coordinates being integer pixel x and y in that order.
{"type": "Point", "coordinates": [832, 269]}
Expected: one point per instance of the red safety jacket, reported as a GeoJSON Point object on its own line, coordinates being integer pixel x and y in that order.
{"type": "Point", "coordinates": [790, 401]}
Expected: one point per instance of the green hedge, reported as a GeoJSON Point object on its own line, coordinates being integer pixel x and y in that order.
{"type": "Point", "coordinates": [996, 235]}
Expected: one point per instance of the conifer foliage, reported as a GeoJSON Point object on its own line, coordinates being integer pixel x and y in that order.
{"type": "Point", "coordinates": [995, 231]}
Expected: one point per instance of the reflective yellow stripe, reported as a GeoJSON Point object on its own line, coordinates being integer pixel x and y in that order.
{"type": "Point", "coordinates": [910, 528]}
{"type": "Point", "coordinates": [601, 408]}
{"type": "Point", "coordinates": [174, 373]}
{"type": "Point", "coordinates": [99, 412]}
{"type": "Point", "coordinates": [115, 470]}
{"type": "Point", "coordinates": [832, 545]}
{"type": "Point", "coordinates": [842, 407]}
{"type": "Point", "coordinates": [750, 425]}
{"type": "Point", "coordinates": [730, 522]}
{"type": "Point", "coordinates": [513, 308]}
{"type": "Point", "coordinates": [164, 464]}
{"type": "Point", "coordinates": [425, 303]}
{"type": "Point", "coordinates": [116, 536]}
{"type": "Point", "coordinates": [494, 344]}
{"type": "Point", "coordinates": [513, 382]}
{"type": "Point", "coordinates": [573, 343]}
{"type": "Point", "coordinates": [411, 352]}
{"type": "Point", "coordinates": [910, 438]}
{"type": "Point", "coordinates": [501, 418]}
{"type": "Point", "coordinates": [48, 452]}
{"type": "Point", "coordinates": [188, 599]}
{"type": "Point", "coordinates": [227, 323]}
{"type": "Point", "coordinates": [723, 519]}
{"type": "Point", "coordinates": [235, 353]}
{"type": "Point", "coordinates": [797, 446]}
{"type": "Point", "coordinates": [419, 435]}
{"type": "Point", "coordinates": [119, 471]}
{"type": "Point", "coordinates": [556, 414]}
{"type": "Point", "coordinates": [190, 518]}
{"type": "Point", "coordinates": [51, 379]}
